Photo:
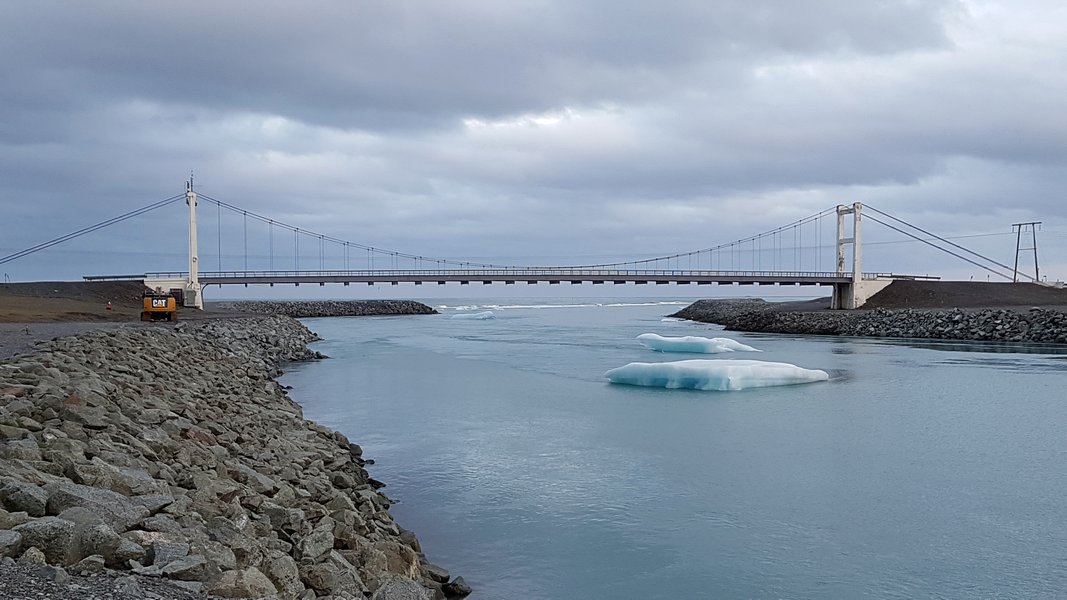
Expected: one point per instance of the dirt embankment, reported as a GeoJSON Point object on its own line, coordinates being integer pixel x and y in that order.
{"type": "Point", "coordinates": [966, 295]}
{"type": "Point", "coordinates": [50, 301]}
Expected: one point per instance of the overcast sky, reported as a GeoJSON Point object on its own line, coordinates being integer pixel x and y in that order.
{"type": "Point", "coordinates": [529, 131]}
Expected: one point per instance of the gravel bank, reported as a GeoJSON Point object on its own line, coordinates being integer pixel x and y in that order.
{"type": "Point", "coordinates": [172, 454]}
{"type": "Point", "coordinates": [327, 308]}
{"type": "Point", "coordinates": [1033, 326]}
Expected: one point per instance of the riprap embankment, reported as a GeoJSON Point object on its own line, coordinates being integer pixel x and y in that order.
{"type": "Point", "coordinates": [994, 325]}
{"type": "Point", "coordinates": [172, 453]}
{"type": "Point", "coordinates": [328, 308]}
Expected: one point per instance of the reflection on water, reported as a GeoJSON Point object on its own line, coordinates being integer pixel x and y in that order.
{"type": "Point", "coordinates": [975, 346]}
{"type": "Point", "coordinates": [1008, 364]}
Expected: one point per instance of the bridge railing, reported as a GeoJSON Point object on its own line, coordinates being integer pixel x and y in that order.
{"type": "Point", "coordinates": [517, 273]}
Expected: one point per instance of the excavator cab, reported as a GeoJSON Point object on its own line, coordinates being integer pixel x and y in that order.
{"type": "Point", "coordinates": [159, 306]}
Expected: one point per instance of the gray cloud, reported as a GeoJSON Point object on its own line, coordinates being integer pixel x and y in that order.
{"type": "Point", "coordinates": [533, 129]}
{"type": "Point", "coordinates": [405, 64]}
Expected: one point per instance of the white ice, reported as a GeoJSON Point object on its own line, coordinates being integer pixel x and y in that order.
{"type": "Point", "coordinates": [707, 374]}
{"type": "Point", "coordinates": [478, 316]}
{"type": "Point", "coordinates": [692, 343]}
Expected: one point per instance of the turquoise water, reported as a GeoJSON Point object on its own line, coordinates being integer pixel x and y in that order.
{"type": "Point", "coordinates": [918, 470]}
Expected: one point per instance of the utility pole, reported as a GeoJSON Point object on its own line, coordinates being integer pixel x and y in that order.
{"type": "Point", "coordinates": [1019, 228]}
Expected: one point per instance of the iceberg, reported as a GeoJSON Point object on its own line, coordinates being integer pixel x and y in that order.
{"type": "Point", "coordinates": [708, 374]}
{"type": "Point", "coordinates": [478, 316]}
{"type": "Point", "coordinates": [692, 343]}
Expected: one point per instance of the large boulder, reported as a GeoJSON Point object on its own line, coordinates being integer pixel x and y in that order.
{"type": "Point", "coordinates": [89, 417]}
{"type": "Point", "coordinates": [332, 575]}
{"type": "Point", "coordinates": [318, 542]}
{"type": "Point", "coordinates": [401, 559]}
{"type": "Point", "coordinates": [187, 568]}
{"type": "Point", "coordinates": [283, 571]}
{"type": "Point", "coordinates": [117, 510]}
{"type": "Point", "coordinates": [32, 556]}
{"type": "Point", "coordinates": [246, 550]}
{"type": "Point", "coordinates": [371, 563]}
{"type": "Point", "coordinates": [24, 497]}
{"type": "Point", "coordinates": [216, 554]}
{"type": "Point", "coordinates": [457, 588]}
{"type": "Point", "coordinates": [90, 565]}
{"type": "Point", "coordinates": [260, 483]}
{"type": "Point", "coordinates": [126, 552]}
{"type": "Point", "coordinates": [436, 573]}
{"type": "Point", "coordinates": [163, 552]}
{"type": "Point", "coordinates": [11, 520]}
{"type": "Point", "coordinates": [401, 588]}
{"type": "Point", "coordinates": [153, 502]}
{"type": "Point", "coordinates": [52, 536]}
{"type": "Point", "coordinates": [21, 449]}
{"type": "Point", "coordinates": [99, 539]}
{"type": "Point", "coordinates": [243, 583]}
{"type": "Point", "coordinates": [10, 543]}
{"type": "Point", "coordinates": [127, 481]}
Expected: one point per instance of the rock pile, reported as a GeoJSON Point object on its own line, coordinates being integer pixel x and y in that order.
{"type": "Point", "coordinates": [1033, 326]}
{"type": "Point", "coordinates": [329, 308]}
{"type": "Point", "coordinates": [173, 454]}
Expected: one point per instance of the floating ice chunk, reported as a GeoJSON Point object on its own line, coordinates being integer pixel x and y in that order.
{"type": "Point", "coordinates": [706, 374]}
{"type": "Point", "coordinates": [478, 316]}
{"type": "Point", "coordinates": [692, 343]}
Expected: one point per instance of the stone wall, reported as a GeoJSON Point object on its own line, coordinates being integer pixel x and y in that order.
{"type": "Point", "coordinates": [1033, 326]}
{"type": "Point", "coordinates": [328, 308]}
{"type": "Point", "coordinates": [173, 453]}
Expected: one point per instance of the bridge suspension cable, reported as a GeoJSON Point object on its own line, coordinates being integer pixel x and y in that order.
{"type": "Point", "coordinates": [736, 247]}
{"type": "Point", "coordinates": [322, 238]}
{"type": "Point", "coordinates": [102, 224]}
{"type": "Point", "coordinates": [934, 236]}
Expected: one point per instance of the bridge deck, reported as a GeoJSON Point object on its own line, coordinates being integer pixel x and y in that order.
{"type": "Point", "coordinates": [508, 276]}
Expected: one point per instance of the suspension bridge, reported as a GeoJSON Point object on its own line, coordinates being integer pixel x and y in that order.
{"type": "Point", "coordinates": [778, 257]}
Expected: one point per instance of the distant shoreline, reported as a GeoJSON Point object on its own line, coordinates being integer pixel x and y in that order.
{"type": "Point", "coordinates": [1026, 313]}
{"type": "Point", "coordinates": [41, 311]}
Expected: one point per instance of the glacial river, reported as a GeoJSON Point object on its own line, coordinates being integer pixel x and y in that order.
{"type": "Point", "coordinates": [919, 470]}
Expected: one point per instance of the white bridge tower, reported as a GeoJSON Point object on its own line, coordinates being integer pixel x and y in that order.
{"type": "Point", "coordinates": [190, 286]}
{"type": "Point", "coordinates": [194, 293]}
{"type": "Point", "coordinates": [854, 293]}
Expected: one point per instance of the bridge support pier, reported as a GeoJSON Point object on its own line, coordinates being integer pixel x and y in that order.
{"type": "Point", "coordinates": [841, 297]}
{"type": "Point", "coordinates": [854, 295]}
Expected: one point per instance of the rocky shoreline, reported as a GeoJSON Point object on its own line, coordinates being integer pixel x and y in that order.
{"type": "Point", "coordinates": [992, 325]}
{"type": "Point", "coordinates": [327, 308]}
{"type": "Point", "coordinates": [138, 456]}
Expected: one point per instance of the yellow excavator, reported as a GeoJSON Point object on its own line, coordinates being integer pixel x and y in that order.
{"type": "Point", "coordinates": [159, 306]}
